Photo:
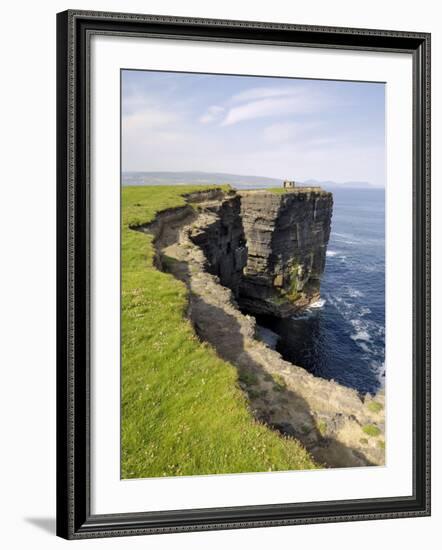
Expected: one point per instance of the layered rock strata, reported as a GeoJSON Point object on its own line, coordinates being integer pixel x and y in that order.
{"type": "Point", "coordinates": [287, 236]}
{"type": "Point", "coordinates": [268, 248]}
{"type": "Point", "coordinates": [222, 239]}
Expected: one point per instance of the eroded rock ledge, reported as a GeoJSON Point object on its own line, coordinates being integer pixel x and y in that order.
{"type": "Point", "coordinates": [205, 245]}
{"type": "Point", "coordinates": [268, 248]}
{"type": "Point", "coordinates": [287, 236]}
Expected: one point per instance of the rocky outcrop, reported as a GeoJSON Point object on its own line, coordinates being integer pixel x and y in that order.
{"type": "Point", "coordinates": [268, 248]}
{"type": "Point", "coordinates": [339, 427]}
{"type": "Point", "coordinates": [287, 236]}
{"type": "Point", "coordinates": [221, 237]}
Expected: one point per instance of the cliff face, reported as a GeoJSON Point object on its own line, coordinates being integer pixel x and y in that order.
{"type": "Point", "coordinates": [268, 248]}
{"type": "Point", "coordinates": [287, 236]}
{"type": "Point", "coordinates": [221, 237]}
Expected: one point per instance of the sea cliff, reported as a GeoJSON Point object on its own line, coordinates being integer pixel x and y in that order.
{"type": "Point", "coordinates": [287, 235]}
{"type": "Point", "coordinates": [268, 248]}
{"type": "Point", "coordinates": [264, 252]}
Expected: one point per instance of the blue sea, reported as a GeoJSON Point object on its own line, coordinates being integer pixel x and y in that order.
{"type": "Point", "coordinates": [342, 337]}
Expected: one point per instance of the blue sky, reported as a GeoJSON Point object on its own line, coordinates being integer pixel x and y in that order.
{"type": "Point", "coordinates": [263, 126]}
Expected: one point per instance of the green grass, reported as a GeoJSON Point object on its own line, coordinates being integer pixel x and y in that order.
{"type": "Point", "coordinates": [278, 190]}
{"type": "Point", "coordinates": [371, 430]}
{"type": "Point", "coordinates": [322, 427]}
{"type": "Point", "coordinates": [183, 412]}
{"type": "Point", "coordinates": [279, 382]}
{"type": "Point", "coordinates": [374, 407]}
{"type": "Point", "coordinates": [248, 378]}
{"type": "Point", "coordinates": [293, 293]}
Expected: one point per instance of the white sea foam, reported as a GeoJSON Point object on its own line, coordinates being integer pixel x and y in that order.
{"type": "Point", "coordinates": [349, 238]}
{"type": "Point", "coordinates": [369, 268]}
{"type": "Point", "coordinates": [310, 310]}
{"type": "Point", "coordinates": [318, 304]}
{"type": "Point", "coordinates": [379, 369]}
{"type": "Point", "coordinates": [361, 335]}
{"type": "Point", "coordinates": [346, 238]}
{"type": "Point", "coordinates": [364, 347]}
{"type": "Point", "coordinates": [354, 293]}
{"type": "Point", "coordinates": [361, 328]}
{"type": "Point", "coordinates": [365, 331]}
{"type": "Point", "coordinates": [331, 253]}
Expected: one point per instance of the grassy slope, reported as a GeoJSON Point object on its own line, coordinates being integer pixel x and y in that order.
{"type": "Point", "coordinates": [278, 190]}
{"type": "Point", "coordinates": [182, 411]}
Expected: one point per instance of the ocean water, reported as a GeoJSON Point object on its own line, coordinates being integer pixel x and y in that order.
{"type": "Point", "coordinates": [342, 337]}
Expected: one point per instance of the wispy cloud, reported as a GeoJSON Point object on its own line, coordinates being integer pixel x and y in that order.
{"type": "Point", "coordinates": [261, 92]}
{"type": "Point", "coordinates": [265, 102]}
{"type": "Point", "coordinates": [147, 119]}
{"type": "Point", "coordinates": [212, 114]}
{"type": "Point", "coordinates": [251, 125]}
{"type": "Point", "coordinates": [152, 131]}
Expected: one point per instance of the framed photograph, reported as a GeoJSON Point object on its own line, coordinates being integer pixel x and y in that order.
{"type": "Point", "coordinates": [243, 274]}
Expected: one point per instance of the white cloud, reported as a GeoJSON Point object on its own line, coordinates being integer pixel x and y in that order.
{"type": "Point", "coordinates": [264, 102]}
{"type": "Point", "coordinates": [213, 113]}
{"type": "Point", "coordinates": [277, 102]}
{"type": "Point", "coordinates": [148, 119]}
{"type": "Point", "coordinates": [183, 132]}
{"type": "Point", "coordinates": [260, 93]}
{"type": "Point", "coordinates": [152, 134]}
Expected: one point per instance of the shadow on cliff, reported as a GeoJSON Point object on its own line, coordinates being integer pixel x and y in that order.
{"type": "Point", "coordinates": [271, 403]}
{"type": "Point", "coordinates": [278, 407]}
{"type": "Point", "coordinates": [231, 335]}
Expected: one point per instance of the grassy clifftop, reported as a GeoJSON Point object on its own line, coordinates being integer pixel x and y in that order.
{"type": "Point", "coordinates": [182, 410]}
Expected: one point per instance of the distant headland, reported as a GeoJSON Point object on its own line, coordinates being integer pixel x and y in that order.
{"type": "Point", "coordinates": [236, 180]}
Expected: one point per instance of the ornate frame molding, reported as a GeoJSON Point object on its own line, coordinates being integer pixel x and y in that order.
{"type": "Point", "coordinates": [74, 29]}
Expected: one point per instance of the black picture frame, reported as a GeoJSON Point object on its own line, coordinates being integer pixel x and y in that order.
{"type": "Point", "coordinates": [74, 518]}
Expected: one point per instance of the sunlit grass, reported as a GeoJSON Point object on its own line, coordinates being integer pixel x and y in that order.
{"type": "Point", "coordinates": [183, 412]}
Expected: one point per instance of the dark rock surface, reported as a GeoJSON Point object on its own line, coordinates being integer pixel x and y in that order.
{"type": "Point", "coordinates": [223, 242]}
{"type": "Point", "coordinates": [268, 248]}
{"type": "Point", "coordinates": [287, 236]}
